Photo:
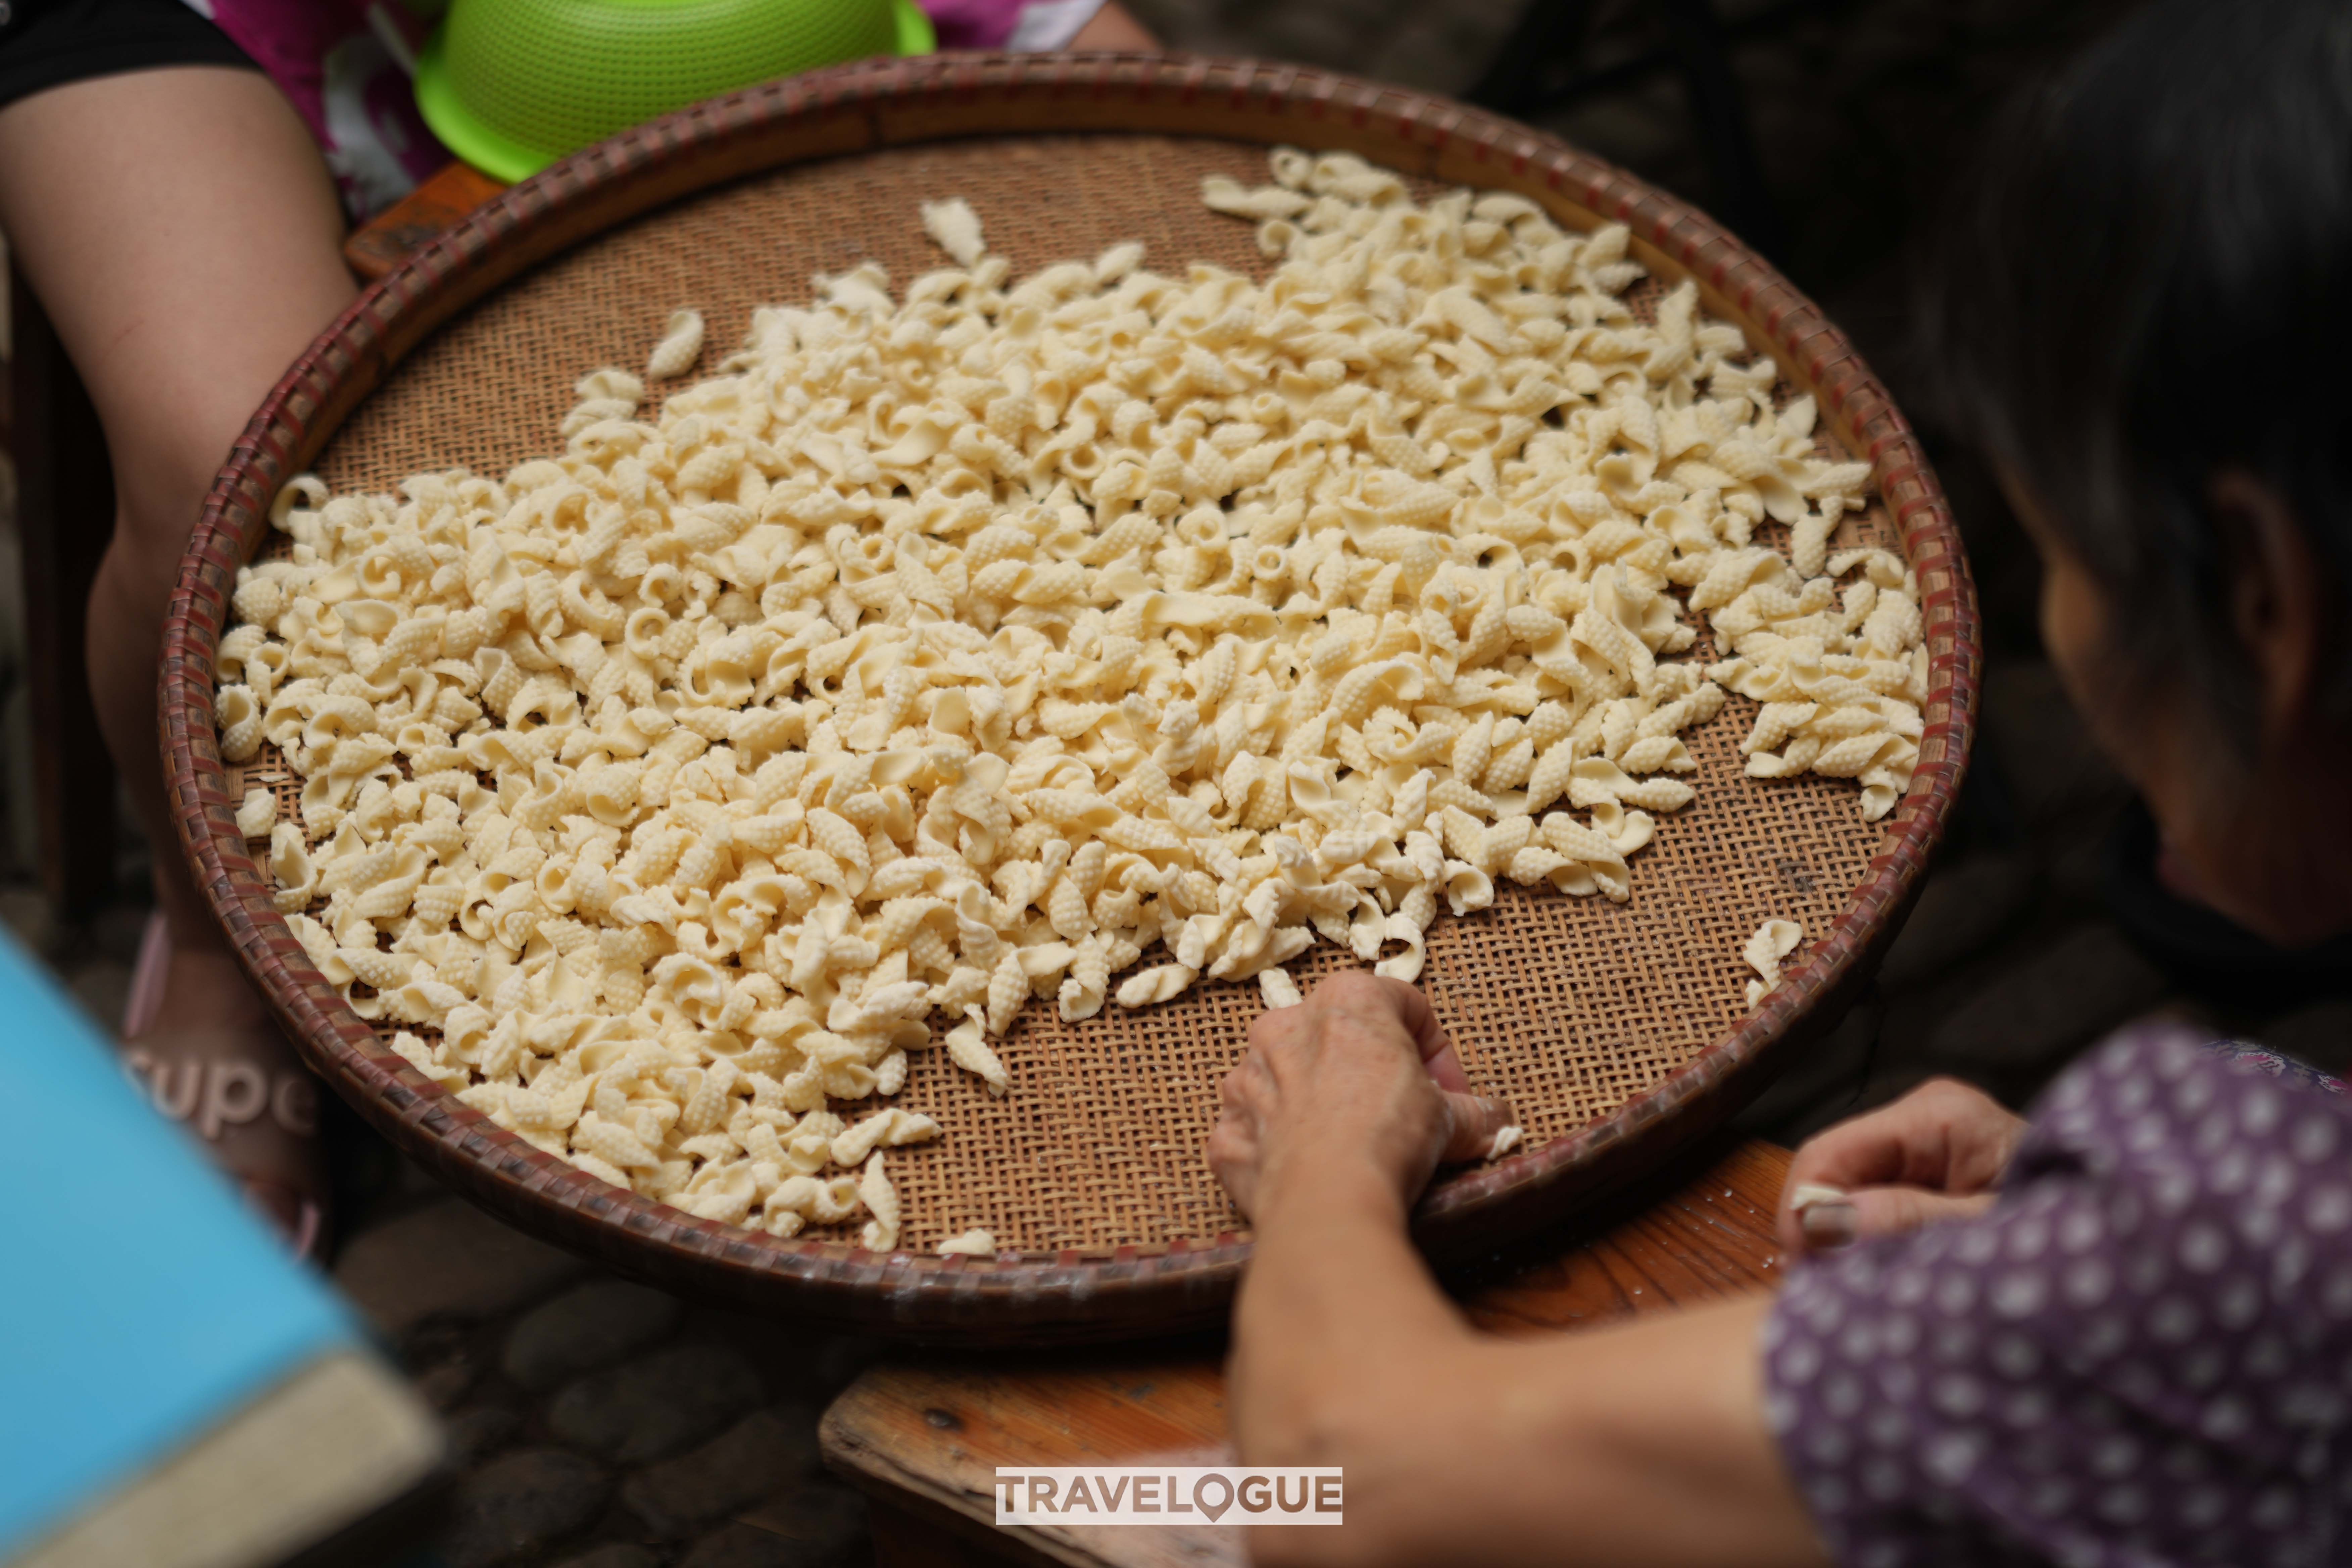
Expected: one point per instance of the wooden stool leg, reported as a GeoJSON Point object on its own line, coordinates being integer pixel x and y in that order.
{"type": "Point", "coordinates": [65, 516]}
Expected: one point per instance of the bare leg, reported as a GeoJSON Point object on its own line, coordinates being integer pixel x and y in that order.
{"type": "Point", "coordinates": [183, 232]}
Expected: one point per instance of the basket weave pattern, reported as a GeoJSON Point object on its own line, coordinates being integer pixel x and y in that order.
{"type": "Point", "coordinates": [1616, 1031]}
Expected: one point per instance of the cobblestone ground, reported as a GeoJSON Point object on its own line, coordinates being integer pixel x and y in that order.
{"type": "Point", "coordinates": [597, 1423]}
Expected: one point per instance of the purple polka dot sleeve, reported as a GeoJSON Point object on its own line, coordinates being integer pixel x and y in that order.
{"type": "Point", "coordinates": [2142, 1355]}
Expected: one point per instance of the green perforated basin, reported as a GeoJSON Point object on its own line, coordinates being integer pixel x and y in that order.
{"type": "Point", "coordinates": [512, 85]}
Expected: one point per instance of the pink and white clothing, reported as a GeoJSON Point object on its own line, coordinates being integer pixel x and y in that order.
{"type": "Point", "coordinates": [345, 65]}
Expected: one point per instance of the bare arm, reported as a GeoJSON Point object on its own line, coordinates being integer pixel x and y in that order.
{"type": "Point", "coordinates": [1114, 27]}
{"type": "Point", "coordinates": [1643, 1444]}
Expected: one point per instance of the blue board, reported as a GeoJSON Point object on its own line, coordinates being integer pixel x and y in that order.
{"type": "Point", "coordinates": [140, 1302]}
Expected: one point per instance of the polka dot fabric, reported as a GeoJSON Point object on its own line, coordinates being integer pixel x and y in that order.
{"type": "Point", "coordinates": [2142, 1355]}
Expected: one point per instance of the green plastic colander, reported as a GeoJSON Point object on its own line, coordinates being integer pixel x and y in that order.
{"type": "Point", "coordinates": [512, 85]}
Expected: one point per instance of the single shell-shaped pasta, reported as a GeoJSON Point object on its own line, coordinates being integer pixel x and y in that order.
{"type": "Point", "coordinates": [678, 347]}
{"type": "Point", "coordinates": [1158, 984]}
{"type": "Point", "coordinates": [291, 869]}
{"type": "Point", "coordinates": [954, 228]}
{"type": "Point", "coordinates": [257, 815]}
{"type": "Point", "coordinates": [1278, 988]}
{"type": "Point", "coordinates": [972, 1243]}
{"type": "Point", "coordinates": [240, 723]}
{"type": "Point", "coordinates": [881, 1200]}
{"type": "Point", "coordinates": [969, 1050]}
{"type": "Point", "coordinates": [892, 1127]}
{"type": "Point", "coordinates": [1773, 941]}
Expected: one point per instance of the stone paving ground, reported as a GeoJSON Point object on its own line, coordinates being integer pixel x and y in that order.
{"type": "Point", "coordinates": [594, 1422]}
{"type": "Point", "coordinates": [598, 1423]}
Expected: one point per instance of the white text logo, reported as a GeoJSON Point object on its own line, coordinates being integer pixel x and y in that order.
{"type": "Point", "coordinates": [1174, 1495]}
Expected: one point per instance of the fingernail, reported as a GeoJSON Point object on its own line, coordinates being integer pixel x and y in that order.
{"type": "Point", "coordinates": [1827, 1223]}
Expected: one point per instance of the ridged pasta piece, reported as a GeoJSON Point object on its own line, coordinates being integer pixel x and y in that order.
{"type": "Point", "coordinates": [256, 814]}
{"type": "Point", "coordinates": [969, 1050]}
{"type": "Point", "coordinates": [881, 1201]}
{"type": "Point", "coordinates": [678, 347]}
{"type": "Point", "coordinates": [1278, 987]}
{"type": "Point", "coordinates": [954, 228]}
{"type": "Point", "coordinates": [972, 1243]}
{"type": "Point", "coordinates": [1773, 941]}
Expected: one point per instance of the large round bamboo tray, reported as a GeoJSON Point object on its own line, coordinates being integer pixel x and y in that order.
{"type": "Point", "coordinates": [1618, 1032]}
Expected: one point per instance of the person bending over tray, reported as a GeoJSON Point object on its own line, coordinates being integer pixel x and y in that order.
{"type": "Point", "coordinates": [2118, 1331]}
{"type": "Point", "coordinates": [177, 211]}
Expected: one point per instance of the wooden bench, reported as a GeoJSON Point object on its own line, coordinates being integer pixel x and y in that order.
{"type": "Point", "coordinates": [922, 1436]}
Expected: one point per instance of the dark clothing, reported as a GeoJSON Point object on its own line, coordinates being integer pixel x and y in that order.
{"type": "Point", "coordinates": [49, 43]}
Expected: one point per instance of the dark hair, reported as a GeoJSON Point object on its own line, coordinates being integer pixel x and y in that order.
{"type": "Point", "coordinates": [2149, 280]}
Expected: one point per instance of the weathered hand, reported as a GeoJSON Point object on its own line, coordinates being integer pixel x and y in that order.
{"type": "Point", "coordinates": [1358, 1078]}
{"type": "Point", "coordinates": [1935, 1154]}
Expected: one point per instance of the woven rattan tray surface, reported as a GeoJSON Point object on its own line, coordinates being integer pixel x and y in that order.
{"type": "Point", "coordinates": [1617, 1031]}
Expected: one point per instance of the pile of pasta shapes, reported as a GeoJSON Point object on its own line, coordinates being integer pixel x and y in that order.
{"type": "Point", "coordinates": [1080, 638]}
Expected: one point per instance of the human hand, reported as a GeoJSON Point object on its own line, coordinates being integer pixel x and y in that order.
{"type": "Point", "coordinates": [1933, 1154]}
{"type": "Point", "coordinates": [1357, 1078]}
